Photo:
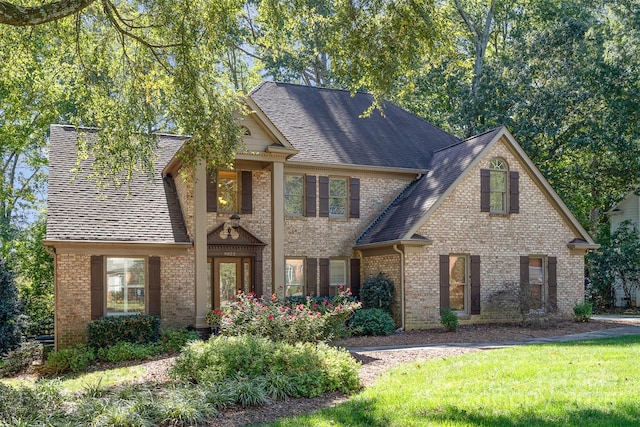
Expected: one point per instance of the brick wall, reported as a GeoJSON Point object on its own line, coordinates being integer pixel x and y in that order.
{"type": "Point", "coordinates": [73, 295]}
{"type": "Point", "coordinates": [458, 227]}
{"type": "Point", "coordinates": [389, 265]}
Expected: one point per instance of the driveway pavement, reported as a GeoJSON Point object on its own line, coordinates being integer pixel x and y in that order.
{"type": "Point", "coordinates": [633, 328]}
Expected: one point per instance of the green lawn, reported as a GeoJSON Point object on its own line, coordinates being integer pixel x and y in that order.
{"type": "Point", "coordinates": [590, 383]}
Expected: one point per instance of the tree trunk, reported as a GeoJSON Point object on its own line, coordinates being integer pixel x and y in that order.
{"type": "Point", "coordinates": [21, 16]}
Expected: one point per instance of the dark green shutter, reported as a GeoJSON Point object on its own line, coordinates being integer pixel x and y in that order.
{"type": "Point", "coordinates": [475, 284]}
{"type": "Point", "coordinates": [212, 193]}
{"type": "Point", "coordinates": [355, 277]}
{"type": "Point", "coordinates": [354, 198]}
{"type": "Point", "coordinates": [552, 264]}
{"type": "Point", "coordinates": [312, 276]}
{"type": "Point", "coordinates": [514, 192]}
{"type": "Point", "coordinates": [444, 281]}
{"type": "Point", "coordinates": [154, 286]}
{"type": "Point", "coordinates": [485, 190]}
{"type": "Point", "coordinates": [97, 287]}
{"type": "Point", "coordinates": [323, 190]}
{"type": "Point", "coordinates": [247, 192]}
{"type": "Point", "coordinates": [310, 196]}
{"type": "Point", "coordinates": [324, 277]}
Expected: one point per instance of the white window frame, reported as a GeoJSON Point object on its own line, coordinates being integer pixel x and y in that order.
{"type": "Point", "coordinates": [466, 284]}
{"type": "Point", "coordinates": [498, 166]}
{"type": "Point", "coordinates": [125, 287]}
{"type": "Point", "coordinates": [334, 284]}
{"type": "Point", "coordinates": [345, 198]}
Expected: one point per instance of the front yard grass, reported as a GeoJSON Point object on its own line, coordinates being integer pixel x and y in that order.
{"type": "Point", "coordinates": [589, 383]}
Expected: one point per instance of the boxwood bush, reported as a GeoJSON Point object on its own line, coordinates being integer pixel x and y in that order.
{"type": "Point", "coordinates": [377, 292]}
{"type": "Point", "coordinates": [371, 321]}
{"type": "Point", "coordinates": [109, 330]}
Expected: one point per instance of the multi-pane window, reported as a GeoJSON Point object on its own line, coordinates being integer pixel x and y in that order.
{"type": "Point", "coordinates": [337, 197]}
{"type": "Point", "coordinates": [126, 282]}
{"type": "Point", "coordinates": [227, 191]}
{"type": "Point", "coordinates": [458, 282]}
{"type": "Point", "coordinates": [536, 282]}
{"type": "Point", "coordinates": [337, 272]}
{"type": "Point", "coordinates": [294, 277]}
{"type": "Point", "coordinates": [498, 186]}
{"type": "Point", "coordinates": [293, 195]}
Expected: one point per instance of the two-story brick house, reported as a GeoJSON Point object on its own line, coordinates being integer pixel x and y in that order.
{"type": "Point", "coordinates": [318, 197]}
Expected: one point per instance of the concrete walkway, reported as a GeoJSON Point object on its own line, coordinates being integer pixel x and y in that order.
{"type": "Point", "coordinates": [632, 329]}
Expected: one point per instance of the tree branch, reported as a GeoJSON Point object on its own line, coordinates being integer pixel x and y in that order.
{"type": "Point", "coordinates": [20, 16]}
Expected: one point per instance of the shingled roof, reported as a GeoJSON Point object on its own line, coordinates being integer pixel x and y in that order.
{"type": "Point", "coordinates": [79, 212]}
{"type": "Point", "coordinates": [397, 220]}
{"type": "Point", "coordinates": [326, 126]}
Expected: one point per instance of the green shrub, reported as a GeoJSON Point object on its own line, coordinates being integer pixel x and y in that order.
{"type": "Point", "coordinates": [377, 292]}
{"type": "Point", "coordinates": [21, 359]}
{"type": "Point", "coordinates": [109, 330]}
{"type": "Point", "coordinates": [10, 311]}
{"type": "Point", "coordinates": [75, 359]}
{"type": "Point", "coordinates": [125, 351]}
{"type": "Point", "coordinates": [174, 340]}
{"type": "Point", "coordinates": [308, 322]}
{"type": "Point", "coordinates": [371, 321]}
{"type": "Point", "coordinates": [256, 367]}
{"type": "Point", "coordinates": [449, 319]}
{"type": "Point", "coordinates": [582, 312]}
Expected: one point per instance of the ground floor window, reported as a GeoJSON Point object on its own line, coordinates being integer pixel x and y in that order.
{"type": "Point", "coordinates": [126, 285]}
{"type": "Point", "coordinates": [294, 277]}
{"type": "Point", "coordinates": [536, 283]}
{"type": "Point", "coordinates": [337, 274]}
{"type": "Point", "coordinates": [458, 282]}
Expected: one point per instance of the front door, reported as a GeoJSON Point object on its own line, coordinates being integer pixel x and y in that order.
{"type": "Point", "coordinates": [230, 275]}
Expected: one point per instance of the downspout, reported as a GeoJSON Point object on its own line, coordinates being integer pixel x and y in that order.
{"type": "Point", "coordinates": [395, 248]}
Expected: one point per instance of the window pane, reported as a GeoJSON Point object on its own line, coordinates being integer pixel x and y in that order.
{"type": "Point", "coordinates": [294, 277]}
{"type": "Point", "coordinates": [456, 297]}
{"type": "Point", "coordinates": [457, 282]}
{"type": "Point", "coordinates": [293, 195]}
{"type": "Point", "coordinates": [227, 191]}
{"type": "Point", "coordinates": [337, 197]}
{"type": "Point", "coordinates": [497, 202]}
{"type": "Point", "coordinates": [126, 285]}
{"type": "Point", "coordinates": [228, 276]}
{"type": "Point", "coordinates": [536, 274]}
{"type": "Point", "coordinates": [498, 181]}
{"type": "Point", "coordinates": [337, 272]}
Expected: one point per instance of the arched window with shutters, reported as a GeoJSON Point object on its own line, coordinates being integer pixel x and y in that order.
{"type": "Point", "coordinates": [500, 188]}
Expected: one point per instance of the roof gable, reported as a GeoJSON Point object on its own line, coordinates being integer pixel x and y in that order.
{"type": "Point", "coordinates": [405, 215]}
{"type": "Point", "coordinates": [143, 211]}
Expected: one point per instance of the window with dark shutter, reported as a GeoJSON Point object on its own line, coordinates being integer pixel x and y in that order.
{"type": "Point", "coordinates": [354, 198]}
{"type": "Point", "coordinates": [485, 190]}
{"type": "Point", "coordinates": [212, 193]}
{"type": "Point", "coordinates": [514, 192]}
{"type": "Point", "coordinates": [312, 276]}
{"type": "Point", "coordinates": [154, 286]}
{"type": "Point", "coordinates": [310, 196]}
{"type": "Point", "coordinates": [323, 195]}
{"type": "Point", "coordinates": [355, 277]}
{"type": "Point", "coordinates": [97, 287]}
{"type": "Point", "coordinates": [552, 264]}
{"type": "Point", "coordinates": [324, 277]}
{"type": "Point", "coordinates": [247, 192]}
{"type": "Point", "coordinates": [475, 284]}
{"type": "Point", "coordinates": [444, 281]}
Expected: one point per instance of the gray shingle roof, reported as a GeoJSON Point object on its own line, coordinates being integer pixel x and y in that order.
{"type": "Point", "coordinates": [418, 197]}
{"type": "Point", "coordinates": [77, 211]}
{"type": "Point", "coordinates": [326, 127]}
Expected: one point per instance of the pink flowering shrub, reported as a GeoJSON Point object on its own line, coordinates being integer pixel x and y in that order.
{"type": "Point", "coordinates": [311, 321]}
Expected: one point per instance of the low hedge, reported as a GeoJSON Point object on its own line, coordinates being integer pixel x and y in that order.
{"type": "Point", "coordinates": [138, 329]}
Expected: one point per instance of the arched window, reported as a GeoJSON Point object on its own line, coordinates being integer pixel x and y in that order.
{"type": "Point", "coordinates": [498, 171]}
{"type": "Point", "coordinates": [246, 131]}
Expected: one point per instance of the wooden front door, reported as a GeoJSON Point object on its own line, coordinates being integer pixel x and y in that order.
{"type": "Point", "coordinates": [230, 275]}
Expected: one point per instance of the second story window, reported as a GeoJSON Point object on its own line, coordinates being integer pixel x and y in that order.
{"type": "Point", "coordinates": [498, 185]}
{"type": "Point", "coordinates": [293, 195]}
{"type": "Point", "coordinates": [227, 191]}
{"type": "Point", "coordinates": [337, 197]}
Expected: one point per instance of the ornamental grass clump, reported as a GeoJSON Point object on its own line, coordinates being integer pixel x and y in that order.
{"type": "Point", "coordinates": [311, 321]}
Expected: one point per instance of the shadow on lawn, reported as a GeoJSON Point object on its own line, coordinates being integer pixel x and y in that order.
{"type": "Point", "coordinates": [617, 416]}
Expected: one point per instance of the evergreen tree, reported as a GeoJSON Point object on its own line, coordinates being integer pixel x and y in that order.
{"type": "Point", "coordinates": [10, 310]}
